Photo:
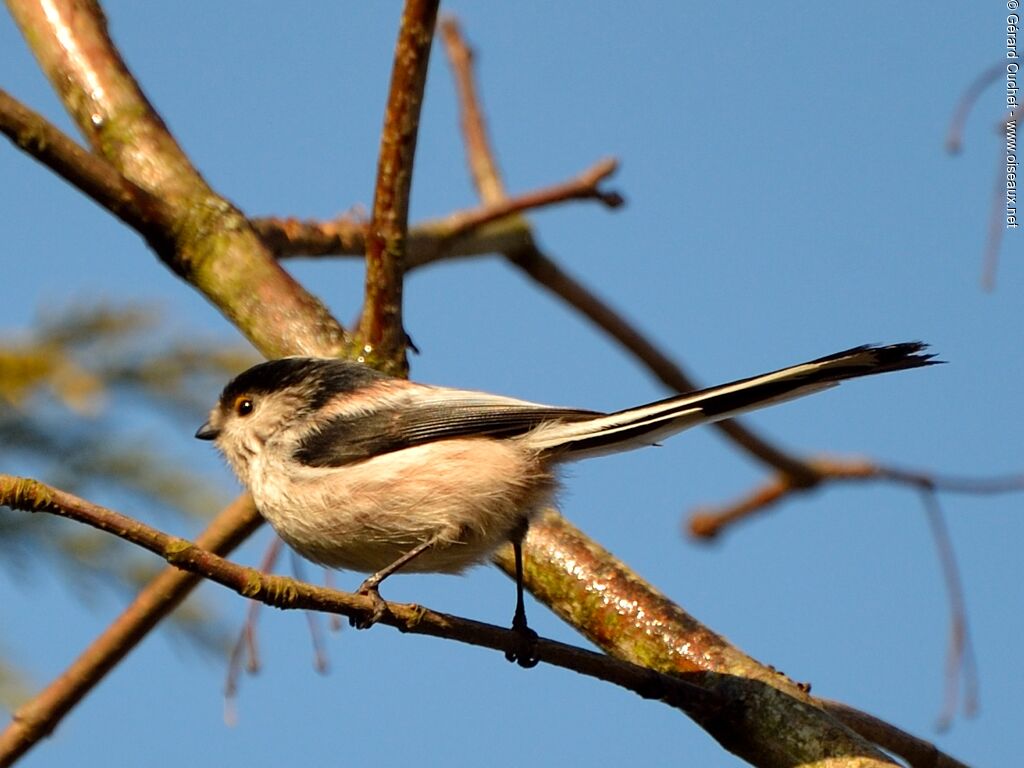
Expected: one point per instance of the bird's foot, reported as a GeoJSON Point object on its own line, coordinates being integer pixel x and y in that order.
{"type": "Point", "coordinates": [377, 608]}
{"type": "Point", "coordinates": [524, 652]}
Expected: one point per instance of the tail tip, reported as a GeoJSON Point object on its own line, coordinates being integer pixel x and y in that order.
{"type": "Point", "coordinates": [878, 358]}
{"type": "Point", "coordinates": [908, 354]}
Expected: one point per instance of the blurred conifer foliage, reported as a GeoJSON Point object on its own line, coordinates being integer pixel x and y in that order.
{"type": "Point", "coordinates": [100, 401]}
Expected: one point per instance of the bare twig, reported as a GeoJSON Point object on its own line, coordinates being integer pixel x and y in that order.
{"type": "Point", "coordinates": [246, 648]}
{"type": "Point", "coordinates": [473, 232]}
{"type": "Point", "coordinates": [583, 187]}
{"type": "Point", "coordinates": [954, 143]}
{"type": "Point", "coordinates": [381, 335]}
{"type": "Point", "coordinates": [955, 135]}
{"type": "Point", "coordinates": [543, 270]}
{"type": "Point", "coordinates": [480, 155]}
{"type": "Point", "coordinates": [282, 592]}
{"type": "Point", "coordinates": [37, 718]}
{"type": "Point", "coordinates": [916, 751]}
{"type": "Point", "coordinates": [960, 653]}
{"type": "Point", "coordinates": [316, 635]}
{"type": "Point", "coordinates": [707, 524]}
{"type": "Point", "coordinates": [483, 166]}
{"type": "Point", "coordinates": [994, 235]}
{"type": "Point", "coordinates": [289, 237]}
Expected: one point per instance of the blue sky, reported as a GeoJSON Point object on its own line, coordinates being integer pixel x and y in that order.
{"type": "Point", "coordinates": [788, 196]}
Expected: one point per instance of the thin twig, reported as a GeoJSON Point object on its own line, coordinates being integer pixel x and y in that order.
{"type": "Point", "coordinates": [994, 234]}
{"type": "Point", "coordinates": [916, 751]}
{"type": "Point", "coordinates": [960, 650]}
{"type": "Point", "coordinates": [37, 719]}
{"type": "Point", "coordinates": [955, 135]}
{"type": "Point", "coordinates": [289, 237]}
{"type": "Point", "coordinates": [544, 271]}
{"type": "Point", "coordinates": [316, 634]}
{"type": "Point", "coordinates": [381, 335]}
{"type": "Point", "coordinates": [582, 187]}
{"type": "Point", "coordinates": [285, 593]}
{"type": "Point", "coordinates": [954, 143]}
{"type": "Point", "coordinates": [482, 159]}
{"type": "Point", "coordinates": [246, 648]}
{"type": "Point", "coordinates": [471, 232]}
{"type": "Point", "coordinates": [707, 524]}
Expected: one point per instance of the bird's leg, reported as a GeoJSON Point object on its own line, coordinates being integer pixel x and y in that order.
{"type": "Point", "coordinates": [371, 586]}
{"type": "Point", "coordinates": [525, 654]}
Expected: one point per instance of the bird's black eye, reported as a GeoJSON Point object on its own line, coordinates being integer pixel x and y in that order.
{"type": "Point", "coordinates": [244, 406]}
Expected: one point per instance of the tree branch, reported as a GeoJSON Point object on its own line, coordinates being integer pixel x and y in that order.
{"type": "Point", "coordinates": [202, 237]}
{"type": "Point", "coordinates": [543, 270]}
{"type": "Point", "coordinates": [709, 698]}
{"type": "Point", "coordinates": [35, 135]}
{"type": "Point", "coordinates": [205, 239]}
{"type": "Point", "coordinates": [917, 752]}
{"type": "Point", "coordinates": [583, 187]}
{"type": "Point", "coordinates": [628, 617]}
{"type": "Point", "coordinates": [488, 228]}
{"type": "Point", "coordinates": [283, 592]}
{"type": "Point", "coordinates": [38, 717]}
{"type": "Point", "coordinates": [954, 143]}
{"type": "Point", "coordinates": [381, 334]}
{"type": "Point", "coordinates": [709, 522]}
{"type": "Point", "coordinates": [778, 722]}
{"type": "Point", "coordinates": [482, 160]}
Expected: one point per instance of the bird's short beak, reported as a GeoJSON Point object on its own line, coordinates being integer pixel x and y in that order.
{"type": "Point", "coordinates": [207, 432]}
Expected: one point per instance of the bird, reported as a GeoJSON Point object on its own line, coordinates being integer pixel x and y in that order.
{"type": "Point", "coordinates": [358, 470]}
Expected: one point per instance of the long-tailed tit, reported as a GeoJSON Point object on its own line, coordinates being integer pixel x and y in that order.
{"type": "Point", "coordinates": [358, 470]}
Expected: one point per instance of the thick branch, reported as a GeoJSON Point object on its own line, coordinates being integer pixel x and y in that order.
{"type": "Point", "coordinates": [205, 239]}
{"type": "Point", "coordinates": [427, 242]}
{"type": "Point", "coordinates": [778, 723]}
{"type": "Point", "coordinates": [34, 134]}
{"type": "Point", "coordinates": [380, 329]}
{"type": "Point", "coordinates": [201, 236]}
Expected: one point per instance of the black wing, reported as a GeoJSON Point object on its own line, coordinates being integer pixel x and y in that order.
{"type": "Point", "coordinates": [353, 437]}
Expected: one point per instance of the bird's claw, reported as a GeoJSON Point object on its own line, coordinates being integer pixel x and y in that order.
{"type": "Point", "coordinates": [377, 609]}
{"type": "Point", "coordinates": [525, 651]}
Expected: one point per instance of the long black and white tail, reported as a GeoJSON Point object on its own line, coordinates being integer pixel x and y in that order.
{"type": "Point", "coordinates": [647, 424]}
